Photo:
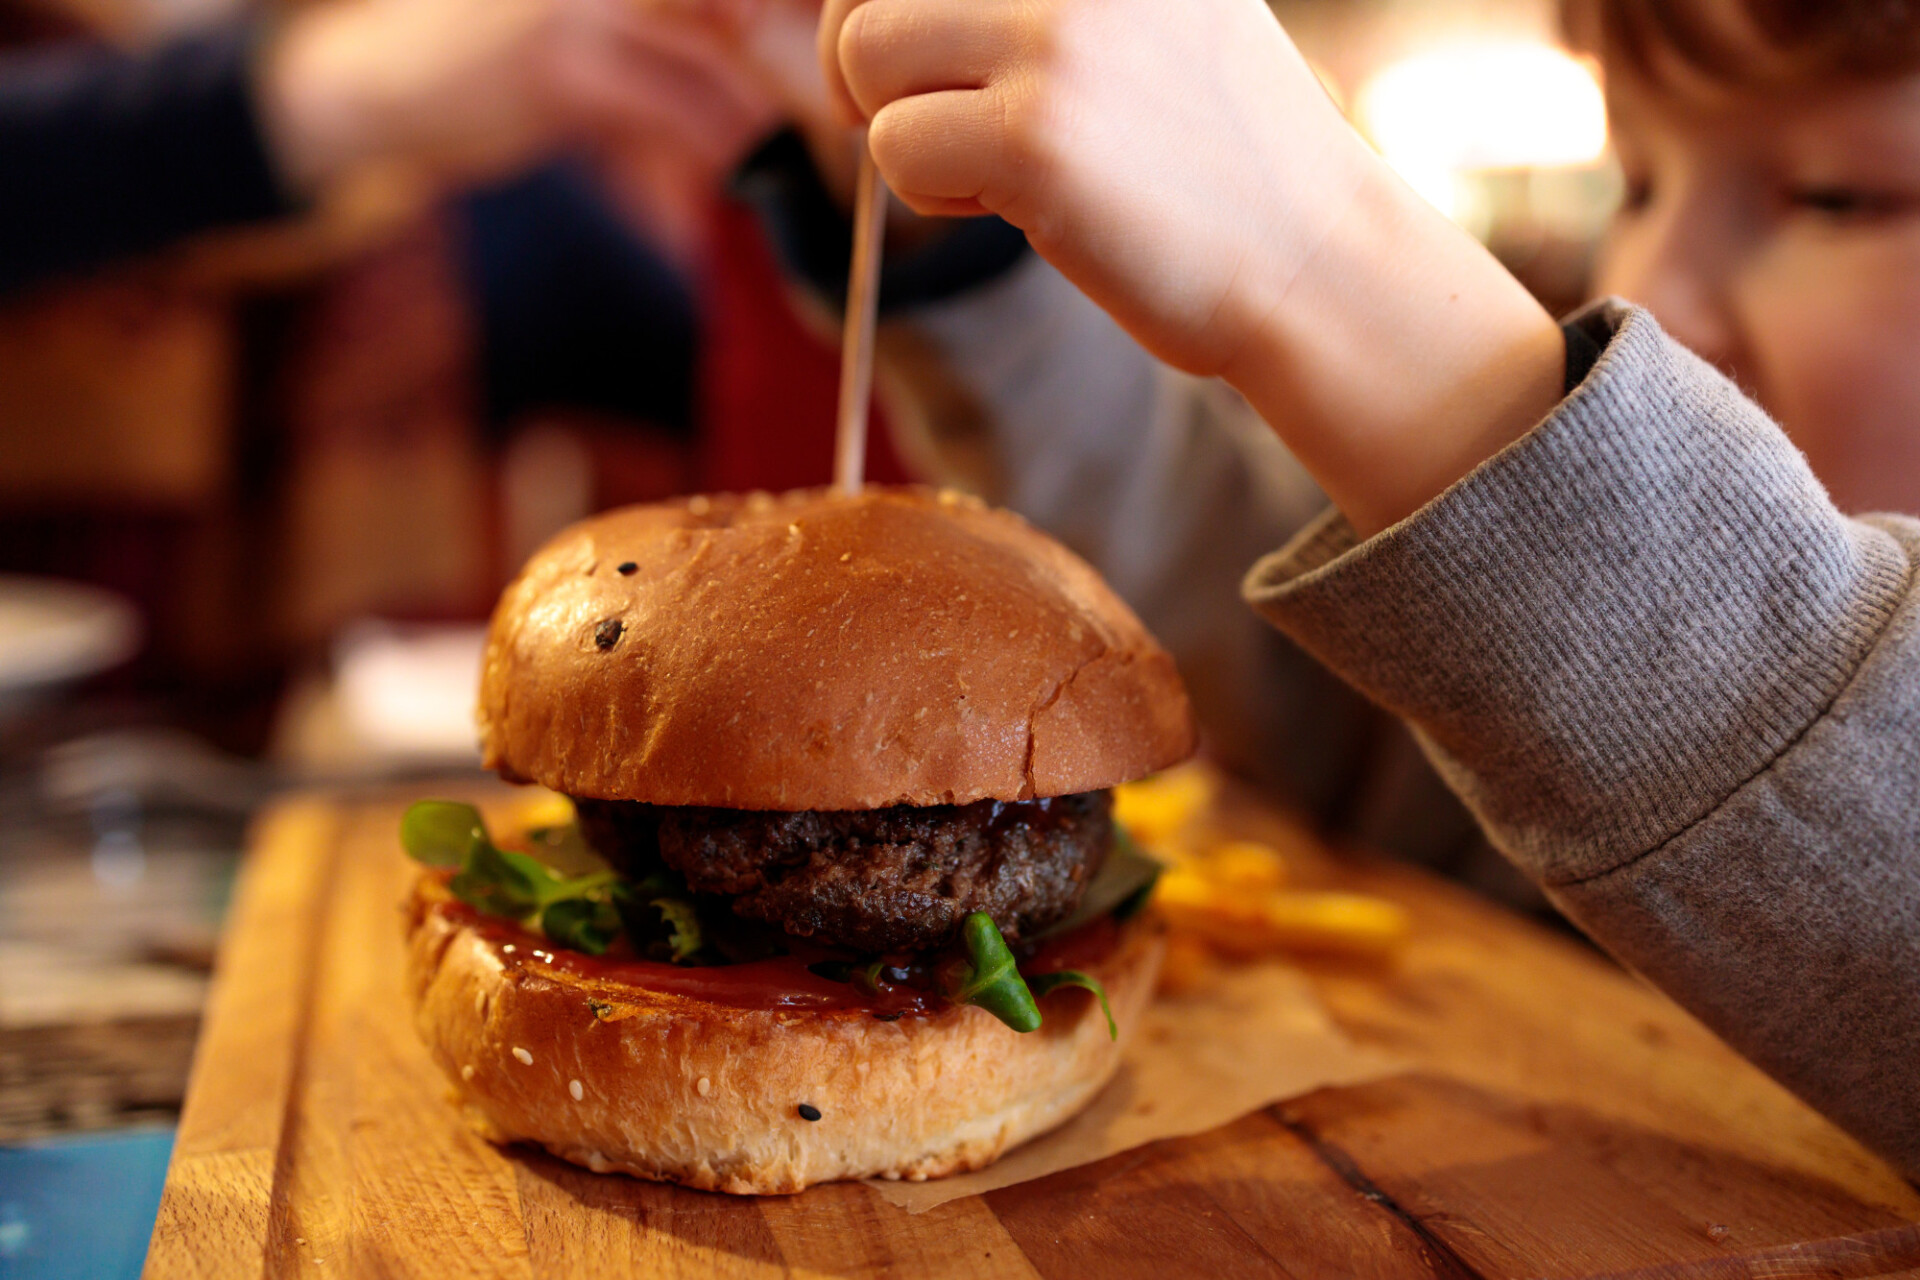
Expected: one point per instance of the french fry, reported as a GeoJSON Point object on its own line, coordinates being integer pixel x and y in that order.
{"type": "Point", "coordinates": [1229, 895]}
{"type": "Point", "coordinates": [1260, 924]}
{"type": "Point", "coordinates": [1244, 865]}
{"type": "Point", "coordinates": [1352, 923]}
{"type": "Point", "coordinates": [1157, 810]}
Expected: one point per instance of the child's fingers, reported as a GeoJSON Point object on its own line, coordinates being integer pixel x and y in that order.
{"type": "Point", "coordinates": [833, 16]}
{"type": "Point", "coordinates": [931, 208]}
{"type": "Point", "coordinates": [939, 151]}
{"type": "Point", "coordinates": [891, 49]}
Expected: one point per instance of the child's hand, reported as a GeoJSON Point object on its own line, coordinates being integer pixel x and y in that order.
{"type": "Point", "coordinates": [1179, 162]}
{"type": "Point", "coordinates": [1137, 142]}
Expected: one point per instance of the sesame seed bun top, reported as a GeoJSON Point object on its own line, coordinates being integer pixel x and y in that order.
{"type": "Point", "coordinates": [820, 651]}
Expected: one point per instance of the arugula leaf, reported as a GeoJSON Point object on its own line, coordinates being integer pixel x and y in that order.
{"type": "Point", "coordinates": [498, 882]}
{"type": "Point", "coordinates": [1042, 983]}
{"type": "Point", "coordinates": [1120, 889]}
{"type": "Point", "coordinates": [660, 918]}
{"type": "Point", "coordinates": [990, 979]}
{"type": "Point", "coordinates": [441, 833]}
{"type": "Point", "coordinates": [564, 849]}
{"type": "Point", "coordinates": [574, 911]}
{"type": "Point", "coordinates": [658, 883]}
{"type": "Point", "coordinates": [683, 927]}
{"type": "Point", "coordinates": [581, 923]}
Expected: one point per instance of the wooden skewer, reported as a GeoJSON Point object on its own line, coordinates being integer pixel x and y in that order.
{"type": "Point", "coordinates": [856, 351]}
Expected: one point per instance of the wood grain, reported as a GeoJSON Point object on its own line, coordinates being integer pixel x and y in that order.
{"type": "Point", "coordinates": [1563, 1121]}
{"type": "Point", "coordinates": [214, 1210]}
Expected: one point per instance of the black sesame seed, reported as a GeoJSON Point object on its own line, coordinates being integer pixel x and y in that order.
{"type": "Point", "coordinates": [628, 568]}
{"type": "Point", "coordinates": [809, 1112]}
{"type": "Point", "coordinates": [607, 634]}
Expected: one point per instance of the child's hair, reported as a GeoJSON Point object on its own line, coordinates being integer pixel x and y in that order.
{"type": "Point", "coordinates": [1752, 43]}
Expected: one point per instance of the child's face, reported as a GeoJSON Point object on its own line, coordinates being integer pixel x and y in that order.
{"type": "Point", "coordinates": [1779, 237]}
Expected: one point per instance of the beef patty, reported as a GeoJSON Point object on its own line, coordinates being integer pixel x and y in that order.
{"type": "Point", "coordinates": [876, 880]}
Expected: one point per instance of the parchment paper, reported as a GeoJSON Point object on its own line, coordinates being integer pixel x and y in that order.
{"type": "Point", "coordinates": [1254, 1036]}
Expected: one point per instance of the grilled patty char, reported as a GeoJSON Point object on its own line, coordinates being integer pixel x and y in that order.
{"type": "Point", "coordinates": [877, 880]}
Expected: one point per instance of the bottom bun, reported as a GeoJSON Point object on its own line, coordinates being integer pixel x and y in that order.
{"type": "Point", "coordinates": [677, 1089]}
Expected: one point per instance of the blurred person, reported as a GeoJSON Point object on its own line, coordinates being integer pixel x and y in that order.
{"type": "Point", "coordinates": [1678, 686]}
{"type": "Point", "coordinates": [344, 392]}
{"type": "Point", "coordinates": [109, 154]}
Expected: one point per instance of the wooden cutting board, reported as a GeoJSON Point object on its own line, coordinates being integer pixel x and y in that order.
{"type": "Point", "coordinates": [1561, 1120]}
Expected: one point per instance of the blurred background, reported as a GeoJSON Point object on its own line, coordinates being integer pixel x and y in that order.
{"type": "Point", "coordinates": [260, 486]}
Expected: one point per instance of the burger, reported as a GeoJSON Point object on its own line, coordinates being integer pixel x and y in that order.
{"type": "Point", "coordinates": [843, 896]}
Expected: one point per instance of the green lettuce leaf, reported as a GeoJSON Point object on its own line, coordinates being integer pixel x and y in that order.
{"type": "Point", "coordinates": [1042, 983]}
{"type": "Point", "coordinates": [989, 978]}
{"type": "Point", "coordinates": [575, 911]}
{"type": "Point", "coordinates": [1120, 889]}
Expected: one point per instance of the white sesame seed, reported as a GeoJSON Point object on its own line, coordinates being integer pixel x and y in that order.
{"type": "Point", "coordinates": [573, 1087]}
{"type": "Point", "coordinates": [526, 1059]}
{"type": "Point", "coordinates": [466, 1072]}
{"type": "Point", "coordinates": [705, 1086]}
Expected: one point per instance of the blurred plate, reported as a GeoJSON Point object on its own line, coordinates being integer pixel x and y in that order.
{"type": "Point", "coordinates": [52, 632]}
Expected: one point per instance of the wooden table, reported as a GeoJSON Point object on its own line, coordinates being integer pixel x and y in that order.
{"type": "Point", "coordinates": [1561, 1120]}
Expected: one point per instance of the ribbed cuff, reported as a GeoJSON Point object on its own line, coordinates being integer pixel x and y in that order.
{"type": "Point", "coordinates": [1586, 333]}
{"type": "Point", "coordinates": [1607, 628]}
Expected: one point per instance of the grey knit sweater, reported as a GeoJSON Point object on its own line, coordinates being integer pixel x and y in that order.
{"type": "Point", "coordinates": [1676, 686]}
{"type": "Point", "coordinates": [1682, 691]}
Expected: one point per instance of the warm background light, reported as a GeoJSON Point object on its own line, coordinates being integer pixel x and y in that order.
{"type": "Point", "coordinates": [1459, 109]}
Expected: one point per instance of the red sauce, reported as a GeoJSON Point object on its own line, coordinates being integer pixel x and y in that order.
{"type": "Point", "coordinates": [1083, 948]}
{"type": "Point", "coordinates": [780, 982]}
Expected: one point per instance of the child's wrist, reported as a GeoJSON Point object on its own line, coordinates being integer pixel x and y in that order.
{"type": "Point", "coordinates": [1399, 356]}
